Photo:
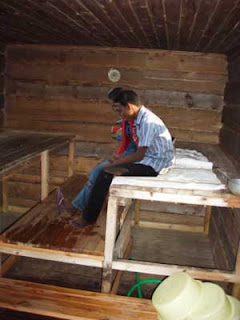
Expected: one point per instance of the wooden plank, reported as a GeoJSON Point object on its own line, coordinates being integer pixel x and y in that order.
{"type": "Point", "coordinates": [28, 145]}
{"type": "Point", "coordinates": [7, 264]}
{"type": "Point", "coordinates": [71, 158]}
{"type": "Point", "coordinates": [165, 269]}
{"type": "Point", "coordinates": [164, 60]}
{"type": "Point", "coordinates": [4, 195]}
{"type": "Point", "coordinates": [207, 220]}
{"type": "Point", "coordinates": [87, 132]}
{"type": "Point", "coordinates": [71, 304]}
{"type": "Point", "coordinates": [172, 218]}
{"type": "Point", "coordinates": [219, 201]}
{"type": "Point", "coordinates": [139, 79]}
{"type": "Point", "coordinates": [42, 227]}
{"type": "Point", "coordinates": [150, 97]}
{"type": "Point", "coordinates": [92, 112]}
{"type": "Point", "coordinates": [110, 237]}
{"type": "Point", "coordinates": [52, 255]}
{"type": "Point", "coordinates": [117, 279]}
{"type": "Point", "coordinates": [124, 234]}
{"type": "Point", "coordinates": [168, 226]}
{"type": "Point", "coordinates": [44, 174]}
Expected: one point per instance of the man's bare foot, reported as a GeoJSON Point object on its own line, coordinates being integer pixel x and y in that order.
{"type": "Point", "coordinates": [70, 208]}
{"type": "Point", "coordinates": [80, 223]}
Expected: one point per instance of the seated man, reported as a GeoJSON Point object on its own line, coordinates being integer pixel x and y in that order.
{"type": "Point", "coordinates": [154, 153]}
{"type": "Point", "coordinates": [128, 145]}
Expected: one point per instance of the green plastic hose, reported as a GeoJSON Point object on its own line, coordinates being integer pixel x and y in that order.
{"type": "Point", "coordinates": [140, 283]}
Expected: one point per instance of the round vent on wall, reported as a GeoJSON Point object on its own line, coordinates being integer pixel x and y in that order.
{"type": "Point", "coordinates": [114, 75]}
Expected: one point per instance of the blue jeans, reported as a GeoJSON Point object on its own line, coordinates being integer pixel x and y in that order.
{"type": "Point", "coordinates": [81, 200]}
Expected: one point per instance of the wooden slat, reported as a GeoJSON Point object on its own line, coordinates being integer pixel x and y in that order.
{"type": "Point", "coordinates": [195, 119]}
{"type": "Point", "coordinates": [71, 304]}
{"type": "Point", "coordinates": [69, 85]}
{"type": "Point", "coordinates": [21, 147]}
{"type": "Point", "coordinates": [7, 264]}
{"type": "Point", "coordinates": [42, 227]}
{"type": "Point", "coordinates": [44, 174]}
{"type": "Point", "coordinates": [83, 94]}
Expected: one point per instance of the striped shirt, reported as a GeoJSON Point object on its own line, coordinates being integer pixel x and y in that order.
{"type": "Point", "coordinates": [153, 134]}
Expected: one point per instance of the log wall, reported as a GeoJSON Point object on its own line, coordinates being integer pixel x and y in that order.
{"type": "Point", "coordinates": [224, 235]}
{"type": "Point", "coordinates": [230, 133]}
{"type": "Point", "coordinates": [2, 65]}
{"type": "Point", "coordinates": [64, 88]}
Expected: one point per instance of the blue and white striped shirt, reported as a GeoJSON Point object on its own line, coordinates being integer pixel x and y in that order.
{"type": "Point", "coordinates": [153, 134]}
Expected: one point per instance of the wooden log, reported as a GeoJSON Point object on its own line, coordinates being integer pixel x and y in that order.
{"type": "Point", "coordinates": [44, 174]}
{"type": "Point", "coordinates": [75, 75]}
{"type": "Point", "coordinates": [71, 158]}
{"type": "Point", "coordinates": [149, 97]}
{"type": "Point", "coordinates": [87, 132]}
{"type": "Point", "coordinates": [63, 303]}
{"type": "Point", "coordinates": [207, 219]}
{"type": "Point", "coordinates": [98, 56]}
{"type": "Point", "coordinates": [7, 264]}
{"type": "Point", "coordinates": [99, 112]}
{"type": "Point", "coordinates": [4, 194]}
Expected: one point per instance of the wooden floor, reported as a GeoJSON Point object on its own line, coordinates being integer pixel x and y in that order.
{"type": "Point", "coordinates": [43, 228]}
{"type": "Point", "coordinates": [172, 247]}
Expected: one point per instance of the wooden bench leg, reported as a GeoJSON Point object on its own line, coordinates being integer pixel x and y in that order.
{"type": "Point", "coordinates": [71, 158]}
{"type": "Point", "coordinates": [7, 264]}
{"type": "Point", "coordinates": [236, 286]}
{"type": "Point", "coordinates": [111, 225]}
{"type": "Point", "coordinates": [207, 219]}
{"type": "Point", "coordinates": [4, 194]}
{"type": "Point", "coordinates": [44, 174]}
{"type": "Point", "coordinates": [137, 212]}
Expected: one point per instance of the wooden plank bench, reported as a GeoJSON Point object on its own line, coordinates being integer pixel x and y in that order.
{"type": "Point", "coordinates": [156, 189]}
{"type": "Point", "coordinates": [20, 147]}
{"type": "Point", "coordinates": [71, 304]}
{"type": "Point", "coordinates": [40, 233]}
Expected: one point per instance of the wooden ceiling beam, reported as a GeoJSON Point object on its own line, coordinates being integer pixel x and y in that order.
{"type": "Point", "coordinates": [212, 13]}
{"type": "Point", "coordinates": [221, 23]}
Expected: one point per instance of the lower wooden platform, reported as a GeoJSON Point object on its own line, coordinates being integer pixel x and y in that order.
{"type": "Point", "coordinates": [41, 233]}
{"type": "Point", "coordinates": [63, 303]}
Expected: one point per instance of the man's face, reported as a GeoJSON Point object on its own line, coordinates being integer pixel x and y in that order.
{"type": "Point", "coordinates": [117, 108]}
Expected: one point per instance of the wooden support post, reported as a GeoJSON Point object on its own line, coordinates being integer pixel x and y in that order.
{"type": "Point", "coordinates": [111, 225]}
{"type": "Point", "coordinates": [118, 277]}
{"type": "Point", "coordinates": [44, 174]}
{"type": "Point", "coordinates": [71, 158]}
{"type": "Point", "coordinates": [7, 264]}
{"type": "Point", "coordinates": [4, 194]}
{"type": "Point", "coordinates": [207, 219]}
{"type": "Point", "coordinates": [236, 286]}
{"type": "Point", "coordinates": [137, 212]}
{"type": "Point", "coordinates": [125, 232]}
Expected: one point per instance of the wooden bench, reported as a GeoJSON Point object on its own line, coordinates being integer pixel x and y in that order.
{"type": "Point", "coordinates": [40, 233]}
{"type": "Point", "coordinates": [63, 303]}
{"type": "Point", "coordinates": [159, 190]}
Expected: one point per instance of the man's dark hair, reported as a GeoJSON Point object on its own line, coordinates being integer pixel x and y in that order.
{"type": "Point", "coordinates": [113, 93]}
{"type": "Point", "coordinates": [128, 96]}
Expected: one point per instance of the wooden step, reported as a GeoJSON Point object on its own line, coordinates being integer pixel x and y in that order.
{"type": "Point", "coordinates": [71, 304]}
{"type": "Point", "coordinates": [41, 227]}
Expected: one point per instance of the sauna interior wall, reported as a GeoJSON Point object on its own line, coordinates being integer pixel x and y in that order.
{"type": "Point", "coordinates": [230, 133]}
{"type": "Point", "coordinates": [64, 89]}
{"type": "Point", "coordinates": [2, 63]}
{"type": "Point", "coordinates": [225, 222]}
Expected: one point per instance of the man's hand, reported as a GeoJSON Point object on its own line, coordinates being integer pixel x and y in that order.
{"type": "Point", "coordinates": [114, 157]}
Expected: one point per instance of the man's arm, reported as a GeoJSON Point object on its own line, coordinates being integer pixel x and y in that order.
{"type": "Point", "coordinates": [130, 158]}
